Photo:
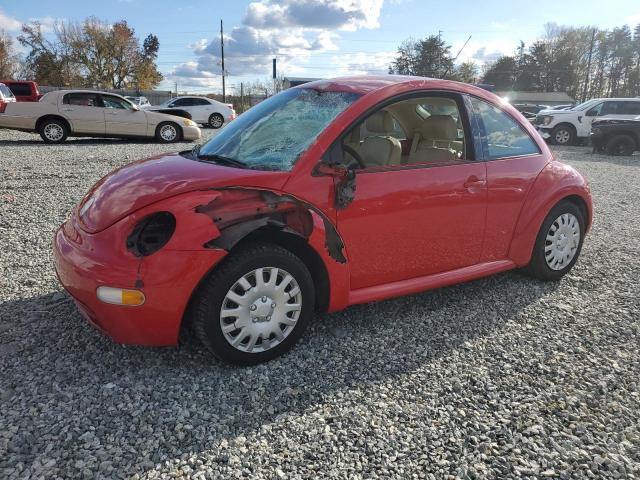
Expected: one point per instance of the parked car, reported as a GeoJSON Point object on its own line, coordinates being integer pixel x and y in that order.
{"type": "Point", "coordinates": [334, 193]}
{"type": "Point", "coordinates": [566, 127]}
{"type": "Point", "coordinates": [6, 96]}
{"type": "Point", "coordinates": [23, 90]}
{"type": "Point", "coordinates": [616, 136]}
{"type": "Point", "coordinates": [81, 113]}
{"type": "Point", "coordinates": [141, 102]}
{"type": "Point", "coordinates": [203, 110]}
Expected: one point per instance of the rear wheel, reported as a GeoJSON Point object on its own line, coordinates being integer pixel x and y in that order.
{"type": "Point", "coordinates": [563, 135]}
{"type": "Point", "coordinates": [559, 242]}
{"type": "Point", "coordinates": [621, 145]}
{"type": "Point", "coordinates": [216, 120]}
{"type": "Point", "coordinates": [255, 306]}
{"type": "Point", "coordinates": [168, 132]}
{"type": "Point", "coordinates": [53, 130]}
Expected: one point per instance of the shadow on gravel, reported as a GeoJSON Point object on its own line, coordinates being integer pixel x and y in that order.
{"type": "Point", "coordinates": [586, 154]}
{"type": "Point", "coordinates": [128, 398]}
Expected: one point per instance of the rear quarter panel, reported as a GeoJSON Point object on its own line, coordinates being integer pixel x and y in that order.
{"type": "Point", "coordinates": [556, 182]}
{"type": "Point", "coordinates": [24, 115]}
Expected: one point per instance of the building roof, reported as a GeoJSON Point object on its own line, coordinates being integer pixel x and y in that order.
{"type": "Point", "coordinates": [536, 97]}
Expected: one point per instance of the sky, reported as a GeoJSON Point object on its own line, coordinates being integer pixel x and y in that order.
{"type": "Point", "coordinates": [316, 38]}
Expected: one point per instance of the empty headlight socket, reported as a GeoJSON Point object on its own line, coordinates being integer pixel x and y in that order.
{"type": "Point", "coordinates": [151, 234]}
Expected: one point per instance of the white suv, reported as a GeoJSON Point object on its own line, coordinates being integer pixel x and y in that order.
{"type": "Point", "coordinates": [203, 110]}
{"type": "Point", "coordinates": [564, 127]}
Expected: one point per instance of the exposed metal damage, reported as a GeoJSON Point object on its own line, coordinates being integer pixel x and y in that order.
{"type": "Point", "coordinates": [239, 211]}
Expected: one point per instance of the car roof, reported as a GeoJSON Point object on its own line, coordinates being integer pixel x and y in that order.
{"type": "Point", "coordinates": [364, 84]}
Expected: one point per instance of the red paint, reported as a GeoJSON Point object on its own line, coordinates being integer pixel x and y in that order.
{"type": "Point", "coordinates": [407, 229]}
{"type": "Point", "coordinates": [34, 93]}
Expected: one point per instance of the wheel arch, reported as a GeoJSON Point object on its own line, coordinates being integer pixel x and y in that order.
{"type": "Point", "coordinates": [557, 182]}
{"type": "Point", "coordinates": [52, 116]}
{"type": "Point", "coordinates": [164, 122]}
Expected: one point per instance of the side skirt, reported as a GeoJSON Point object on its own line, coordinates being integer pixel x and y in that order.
{"type": "Point", "coordinates": [428, 282]}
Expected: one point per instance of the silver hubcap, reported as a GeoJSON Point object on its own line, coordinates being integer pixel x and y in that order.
{"type": "Point", "coordinates": [562, 136]}
{"type": "Point", "coordinates": [562, 241]}
{"type": "Point", "coordinates": [168, 133]}
{"type": "Point", "coordinates": [216, 121]}
{"type": "Point", "coordinates": [261, 309]}
{"type": "Point", "coordinates": [53, 132]}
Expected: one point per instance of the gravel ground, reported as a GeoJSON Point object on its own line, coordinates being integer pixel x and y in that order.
{"type": "Point", "coordinates": [502, 377]}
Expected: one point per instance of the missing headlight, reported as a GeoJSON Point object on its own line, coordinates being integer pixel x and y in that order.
{"type": "Point", "coordinates": [151, 234]}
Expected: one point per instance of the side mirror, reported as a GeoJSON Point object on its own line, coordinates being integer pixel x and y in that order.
{"type": "Point", "coordinates": [325, 170]}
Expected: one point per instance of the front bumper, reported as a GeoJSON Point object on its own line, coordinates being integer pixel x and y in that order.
{"type": "Point", "coordinates": [191, 133]}
{"type": "Point", "coordinates": [83, 262]}
{"type": "Point", "coordinates": [545, 132]}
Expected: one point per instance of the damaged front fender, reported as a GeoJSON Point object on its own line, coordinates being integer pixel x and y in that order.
{"type": "Point", "coordinates": [238, 211]}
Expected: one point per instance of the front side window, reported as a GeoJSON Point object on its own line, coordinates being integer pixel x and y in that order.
{"type": "Point", "coordinates": [505, 137]}
{"type": "Point", "coordinates": [273, 134]}
{"type": "Point", "coordinates": [115, 102]}
{"type": "Point", "coordinates": [82, 99]}
{"type": "Point", "coordinates": [4, 90]}
{"type": "Point", "coordinates": [424, 130]}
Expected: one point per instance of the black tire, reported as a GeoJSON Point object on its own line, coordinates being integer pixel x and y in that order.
{"type": "Point", "coordinates": [216, 121]}
{"type": "Point", "coordinates": [163, 128]}
{"type": "Point", "coordinates": [538, 266]}
{"type": "Point", "coordinates": [621, 145]}
{"type": "Point", "coordinates": [53, 130]}
{"type": "Point", "coordinates": [563, 135]}
{"type": "Point", "coordinates": [205, 307]}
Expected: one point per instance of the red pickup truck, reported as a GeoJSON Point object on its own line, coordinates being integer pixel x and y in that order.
{"type": "Point", "coordinates": [23, 90]}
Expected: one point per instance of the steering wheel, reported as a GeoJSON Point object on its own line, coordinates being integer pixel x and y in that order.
{"type": "Point", "coordinates": [355, 155]}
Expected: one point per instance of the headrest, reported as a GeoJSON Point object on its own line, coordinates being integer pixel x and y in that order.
{"type": "Point", "coordinates": [380, 122]}
{"type": "Point", "coordinates": [442, 127]}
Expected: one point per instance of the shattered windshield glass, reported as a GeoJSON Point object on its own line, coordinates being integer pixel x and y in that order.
{"type": "Point", "coordinates": [273, 134]}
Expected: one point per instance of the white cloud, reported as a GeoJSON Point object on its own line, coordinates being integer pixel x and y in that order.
{"type": "Point", "coordinates": [482, 52]}
{"type": "Point", "coordinates": [633, 20]}
{"type": "Point", "coordinates": [9, 24]}
{"type": "Point", "coordinates": [364, 63]}
{"type": "Point", "coordinates": [291, 30]}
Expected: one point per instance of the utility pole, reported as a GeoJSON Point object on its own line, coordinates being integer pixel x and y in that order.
{"type": "Point", "coordinates": [439, 55]}
{"type": "Point", "coordinates": [224, 93]}
{"type": "Point", "coordinates": [176, 88]}
{"type": "Point", "coordinates": [586, 80]}
{"type": "Point", "coordinates": [274, 76]}
{"type": "Point", "coordinates": [241, 97]}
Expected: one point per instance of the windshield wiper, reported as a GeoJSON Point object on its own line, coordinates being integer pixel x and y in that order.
{"type": "Point", "coordinates": [220, 159]}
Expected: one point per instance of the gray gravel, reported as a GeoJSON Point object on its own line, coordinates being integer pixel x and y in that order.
{"type": "Point", "coordinates": [502, 377]}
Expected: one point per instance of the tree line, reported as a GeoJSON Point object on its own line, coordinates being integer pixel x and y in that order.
{"type": "Point", "coordinates": [584, 62]}
{"type": "Point", "coordinates": [90, 53]}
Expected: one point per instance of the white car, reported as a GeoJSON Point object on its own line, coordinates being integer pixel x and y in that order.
{"type": "Point", "coordinates": [203, 110]}
{"type": "Point", "coordinates": [84, 113]}
{"type": "Point", "coordinates": [565, 127]}
{"type": "Point", "coordinates": [6, 95]}
{"type": "Point", "coordinates": [141, 102]}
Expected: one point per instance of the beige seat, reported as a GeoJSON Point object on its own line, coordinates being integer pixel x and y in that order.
{"type": "Point", "coordinates": [436, 141]}
{"type": "Point", "coordinates": [378, 147]}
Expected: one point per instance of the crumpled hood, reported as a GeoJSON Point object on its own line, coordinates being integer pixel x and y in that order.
{"type": "Point", "coordinates": [144, 182]}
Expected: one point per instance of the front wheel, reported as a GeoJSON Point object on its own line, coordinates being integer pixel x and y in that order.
{"type": "Point", "coordinates": [255, 306]}
{"type": "Point", "coordinates": [559, 242]}
{"type": "Point", "coordinates": [216, 120]}
{"type": "Point", "coordinates": [168, 132]}
{"type": "Point", "coordinates": [563, 135]}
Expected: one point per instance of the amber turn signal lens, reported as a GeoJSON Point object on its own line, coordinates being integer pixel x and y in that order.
{"type": "Point", "coordinates": [120, 296]}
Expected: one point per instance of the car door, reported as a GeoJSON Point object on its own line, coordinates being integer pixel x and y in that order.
{"type": "Point", "coordinates": [513, 161]}
{"type": "Point", "coordinates": [121, 118]}
{"type": "Point", "coordinates": [201, 109]}
{"type": "Point", "coordinates": [84, 112]}
{"type": "Point", "coordinates": [420, 197]}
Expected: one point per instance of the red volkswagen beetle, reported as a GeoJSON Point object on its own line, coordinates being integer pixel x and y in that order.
{"type": "Point", "coordinates": [327, 195]}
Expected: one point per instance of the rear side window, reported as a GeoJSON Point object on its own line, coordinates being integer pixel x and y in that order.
{"type": "Point", "coordinates": [504, 136]}
{"type": "Point", "coordinates": [200, 101]}
{"type": "Point", "coordinates": [20, 89]}
{"type": "Point", "coordinates": [183, 102]}
{"type": "Point", "coordinates": [82, 99]}
{"type": "Point", "coordinates": [631, 108]}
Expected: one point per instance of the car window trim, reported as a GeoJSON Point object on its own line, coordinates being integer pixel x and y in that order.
{"type": "Point", "coordinates": [483, 132]}
{"type": "Point", "coordinates": [466, 125]}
